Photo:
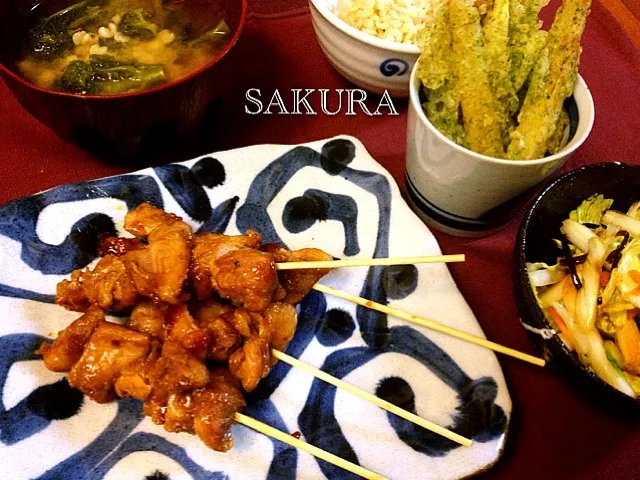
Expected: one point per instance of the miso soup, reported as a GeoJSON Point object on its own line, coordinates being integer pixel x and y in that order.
{"type": "Point", "coordinates": [108, 47]}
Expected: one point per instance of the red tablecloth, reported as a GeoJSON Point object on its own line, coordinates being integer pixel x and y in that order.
{"type": "Point", "coordinates": [555, 432]}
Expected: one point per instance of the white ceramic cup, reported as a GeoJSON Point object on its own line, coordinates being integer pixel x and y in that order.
{"type": "Point", "coordinates": [459, 191]}
{"type": "Point", "coordinates": [369, 62]}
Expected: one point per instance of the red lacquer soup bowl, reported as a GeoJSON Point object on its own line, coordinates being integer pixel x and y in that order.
{"type": "Point", "coordinates": [126, 123]}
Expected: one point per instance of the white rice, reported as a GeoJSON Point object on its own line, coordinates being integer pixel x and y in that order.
{"type": "Point", "coordinates": [395, 20]}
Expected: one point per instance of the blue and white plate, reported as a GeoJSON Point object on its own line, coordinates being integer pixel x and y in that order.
{"type": "Point", "coordinates": [329, 194]}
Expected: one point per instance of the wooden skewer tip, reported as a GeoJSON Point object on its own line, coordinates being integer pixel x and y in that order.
{"type": "Point", "coordinates": [482, 342]}
{"type": "Point", "coordinates": [306, 447]}
{"type": "Point", "coordinates": [390, 407]}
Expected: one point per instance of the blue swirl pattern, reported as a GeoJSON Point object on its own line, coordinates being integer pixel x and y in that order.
{"type": "Point", "coordinates": [192, 186]}
{"type": "Point", "coordinates": [394, 66]}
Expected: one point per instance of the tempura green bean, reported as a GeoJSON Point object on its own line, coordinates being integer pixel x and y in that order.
{"type": "Point", "coordinates": [557, 140]}
{"type": "Point", "coordinates": [434, 70]}
{"type": "Point", "coordinates": [552, 81]}
{"type": "Point", "coordinates": [495, 29]}
{"type": "Point", "coordinates": [483, 122]}
{"type": "Point", "coordinates": [526, 39]}
{"type": "Point", "coordinates": [496, 38]}
{"type": "Point", "coordinates": [441, 109]}
{"type": "Point", "coordinates": [434, 63]}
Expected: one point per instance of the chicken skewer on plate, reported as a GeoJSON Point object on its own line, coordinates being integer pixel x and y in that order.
{"type": "Point", "coordinates": [225, 305]}
{"type": "Point", "coordinates": [170, 351]}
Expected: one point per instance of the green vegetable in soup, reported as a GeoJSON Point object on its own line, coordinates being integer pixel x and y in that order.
{"type": "Point", "coordinates": [216, 34]}
{"type": "Point", "coordinates": [52, 36]}
{"type": "Point", "coordinates": [46, 45]}
{"type": "Point", "coordinates": [77, 78]}
{"type": "Point", "coordinates": [138, 24]}
{"type": "Point", "coordinates": [102, 75]}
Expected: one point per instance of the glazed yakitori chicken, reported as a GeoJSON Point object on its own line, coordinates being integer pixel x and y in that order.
{"type": "Point", "coordinates": [205, 311]}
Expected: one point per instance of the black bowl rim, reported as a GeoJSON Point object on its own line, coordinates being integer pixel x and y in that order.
{"type": "Point", "coordinates": [527, 303]}
{"type": "Point", "coordinates": [242, 19]}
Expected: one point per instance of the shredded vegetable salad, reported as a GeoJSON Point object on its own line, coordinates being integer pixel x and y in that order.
{"type": "Point", "coordinates": [591, 295]}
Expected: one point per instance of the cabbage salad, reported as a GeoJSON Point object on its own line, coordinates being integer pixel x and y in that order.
{"type": "Point", "coordinates": [591, 295]}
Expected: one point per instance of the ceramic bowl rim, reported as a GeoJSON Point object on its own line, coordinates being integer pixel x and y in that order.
{"type": "Point", "coordinates": [523, 291]}
{"type": "Point", "coordinates": [344, 27]}
{"type": "Point", "coordinates": [165, 86]}
{"type": "Point", "coordinates": [581, 90]}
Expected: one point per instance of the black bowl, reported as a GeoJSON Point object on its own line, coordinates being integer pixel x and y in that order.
{"type": "Point", "coordinates": [618, 181]}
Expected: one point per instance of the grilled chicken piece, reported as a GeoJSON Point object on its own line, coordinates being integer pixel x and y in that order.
{"type": "Point", "coordinates": [160, 269]}
{"type": "Point", "coordinates": [208, 310]}
{"type": "Point", "coordinates": [149, 317]}
{"type": "Point", "coordinates": [251, 363]}
{"type": "Point", "coordinates": [158, 357]}
{"type": "Point", "coordinates": [108, 285]}
{"type": "Point", "coordinates": [175, 371]}
{"type": "Point", "coordinates": [274, 327]}
{"type": "Point", "coordinates": [241, 320]}
{"type": "Point", "coordinates": [134, 381]}
{"type": "Point", "coordinates": [209, 411]}
{"type": "Point", "coordinates": [145, 218]}
{"type": "Point", "coordinates": [207, 248]}
{"type": "Point", "coordinates": [214, 409]}
{"type": "Point", "coordinates": [298, 283]}
{"type": "Point", "coordinates": [246, 277]}
{"type": "Point", "coordinates": [224, 340]}
{"type": "Point", "coordinates": [109, 351]}
{"type": "Point", "coordinates": [178, 416]}
{"type": "Point", "coordinates": [283, 320]}
{"type": "Point", "coordinates": [182, 328]}
{"type": "Point", "coordinates": [118, 246]}
{"type": "Point", "coordinates": [234, 268]}
{"type": "Point", "coordinates": [157, 270]}
{"type": "Point", "coordinates": [67, 349]}
{"type": "Point", "coordinates": [248, 324]}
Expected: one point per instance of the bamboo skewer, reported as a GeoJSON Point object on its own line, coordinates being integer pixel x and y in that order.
{"type": "Point", "coordinates": [390, 407]}
{"type": "Point", "coordinates": [313, 450]}
{"type": "Point", "coordinates": [370, 262]}
{"type": "Point", "coordinates": [430, 324]}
